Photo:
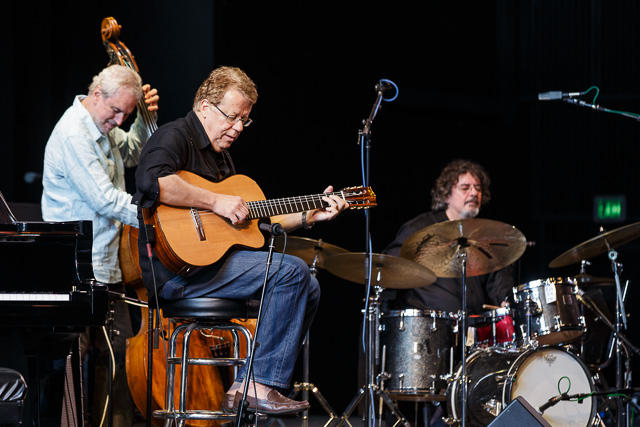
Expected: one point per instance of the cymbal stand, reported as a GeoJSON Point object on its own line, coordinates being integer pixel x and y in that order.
{"type": "Point", "coordinates": [372, 388]}
{"type": "Point", "coordinates": [305, 386]}
{"type": "Point", "coordinates": [462, 255]}
{"type": "Point", "coordinates": [622, 407]}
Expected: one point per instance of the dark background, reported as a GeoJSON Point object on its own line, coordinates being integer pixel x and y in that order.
{"type": "Point", "coordinates": [468, 75]}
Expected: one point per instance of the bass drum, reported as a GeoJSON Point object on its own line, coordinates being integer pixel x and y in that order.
{"type": "Point", "coordinates": [497, 376]}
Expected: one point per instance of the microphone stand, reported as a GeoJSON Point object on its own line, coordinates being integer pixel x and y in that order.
{"type": "Point", "coordinates": [371, 311]}
{"type": "Point", "coordinates": [597, 107]}
{"type": "Point", "coordinates": [275, 229]}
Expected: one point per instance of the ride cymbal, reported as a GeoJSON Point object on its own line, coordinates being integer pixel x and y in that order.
{"type": "Point", "coordinates": [489, 245]}
{"type": "Point", "coordinates": [387, 271]}
{"type": "Point", "coordinates": [308, 249]}
{"type": "Point", "coordinates": [597, 245]}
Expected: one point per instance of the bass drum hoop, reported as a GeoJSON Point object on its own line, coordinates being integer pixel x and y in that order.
{"type": "Point", "coordinates": [515, 366]}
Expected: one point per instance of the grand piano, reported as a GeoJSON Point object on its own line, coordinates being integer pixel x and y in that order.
{"type": "Point", "coordinates": [48, 296]}
{"type": "Point", "coordinates": [47, 276]}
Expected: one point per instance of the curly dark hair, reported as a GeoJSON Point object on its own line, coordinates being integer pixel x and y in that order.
{"type": "Point", "coordinates": [449, 177]}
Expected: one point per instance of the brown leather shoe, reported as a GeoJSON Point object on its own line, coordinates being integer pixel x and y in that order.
{"type": "Point", "coordinates": [228, 402]}
{"type": "Point", "coordinates": [274, 404]}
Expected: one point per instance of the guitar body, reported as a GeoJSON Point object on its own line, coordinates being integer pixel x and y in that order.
{"type": "Point", "coordinates": [188, 237]}
{"type": "Point", "coordinates": [177, 236]}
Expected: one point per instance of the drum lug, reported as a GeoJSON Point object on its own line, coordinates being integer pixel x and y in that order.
{"type": "Point", "coordinates": [450, 421]}
{"type": "Point", "coordinates": [493, 407]}
{"type": "Point", "coordinates": [582, 321]}
{"type": "Point", "coordinates": [558, 322]}
{"type": "Point", "coordinates": [401, 326]}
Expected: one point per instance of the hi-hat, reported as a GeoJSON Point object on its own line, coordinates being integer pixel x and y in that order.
{"type": "Point", "coordinates": [308, 249]}
{"type": "Point", "coordinates": [585, 279]}
{"type": "Point", "coordinates": [489, 245]}
{"type": "Point", "coordinates": [598, 245]}
{"type": "Point", "coordinates": [387, 271]}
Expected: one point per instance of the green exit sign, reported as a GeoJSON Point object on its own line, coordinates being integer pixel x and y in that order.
{"type": "Point", "coordinates": [610, 208]}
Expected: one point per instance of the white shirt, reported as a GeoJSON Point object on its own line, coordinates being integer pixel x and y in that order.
{"type": "Point", "coordinates": [83, 179]}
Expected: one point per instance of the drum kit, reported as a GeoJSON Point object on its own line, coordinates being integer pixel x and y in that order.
{"type": "Point", "coordinates": [530, 349]}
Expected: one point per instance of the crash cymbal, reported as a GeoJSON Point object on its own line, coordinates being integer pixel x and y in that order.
{"type": "Point", "coordinates": [307, 249]}
{"type": "Point", "coordinates": [598, 245]}
{"type": "Point", "coordinates": [585, 279]}
{"type": "Point", "coordinates": [490, 245]}
{"type": "Point", "coordinates": [387, 271]}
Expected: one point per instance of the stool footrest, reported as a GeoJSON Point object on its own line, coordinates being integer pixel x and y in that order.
{"type": "Point", "coordinates": [219, 361]}
{"type": "Point", "coordinates": [194, 415]}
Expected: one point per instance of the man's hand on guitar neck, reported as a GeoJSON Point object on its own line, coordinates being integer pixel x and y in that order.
{"type": "Point", "coordinates": [293, 221]}
{"type": "Point", "coordinates": [336, 205]}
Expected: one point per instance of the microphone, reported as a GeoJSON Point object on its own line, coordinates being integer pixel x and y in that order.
{"type": "Point", "coordinates": [388, 90]}
{"type": "Point", "coordinates": [551, 402]}
{"type": "Point", "coordinates": [275, 228]}
{"type": "Point", "coordinates": [580, 296]}
{"type": "Point", "coordinates": [556, 95]}
{"type": "Point", "coordinates": [31, 177]}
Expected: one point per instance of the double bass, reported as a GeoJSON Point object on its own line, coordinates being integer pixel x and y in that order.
{"type": "Point", "coordinates": [206, 387]}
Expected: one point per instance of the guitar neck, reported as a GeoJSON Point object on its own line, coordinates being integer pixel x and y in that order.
{"type": "Point", "coordinates": [288, 205]}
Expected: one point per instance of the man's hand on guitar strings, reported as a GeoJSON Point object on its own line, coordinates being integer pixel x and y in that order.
{"type": "Point", "coordinates": [231, 207]}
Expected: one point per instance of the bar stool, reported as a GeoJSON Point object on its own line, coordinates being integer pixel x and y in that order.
{"type": "Point", "coordinates": [194, 314]}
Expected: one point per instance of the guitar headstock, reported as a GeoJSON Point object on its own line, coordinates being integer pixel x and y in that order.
{"type": "Point", "coordinates": [359, 197]}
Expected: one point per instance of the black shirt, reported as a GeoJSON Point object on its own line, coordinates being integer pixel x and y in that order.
{"type": "Point", "coordinates": [179, 145]}
{"type": "Point", "coordinates": [446, 294]}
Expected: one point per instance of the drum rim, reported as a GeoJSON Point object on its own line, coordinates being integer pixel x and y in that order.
{"type": "Point", "coordinates": [567, 281]}
{"type": "Point", "coordinates": [508, 382]}
{"type": "Point", "coordinates": [451, 391]}
{"type": "Point", "coordinates": [415, 312]}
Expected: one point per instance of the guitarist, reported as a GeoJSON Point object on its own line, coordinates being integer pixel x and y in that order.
{"type": "Point", "coordinates": [198, 143]}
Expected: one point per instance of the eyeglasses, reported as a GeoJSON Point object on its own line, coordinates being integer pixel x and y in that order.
{"type": "Point", "coordinates": [234, 119]}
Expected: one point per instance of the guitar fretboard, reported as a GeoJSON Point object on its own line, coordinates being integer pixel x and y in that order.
{"type": "Point", "coordinates": [268, 208]}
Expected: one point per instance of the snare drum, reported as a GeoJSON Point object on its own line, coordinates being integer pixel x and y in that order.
{"type": "Point", "coordinates": [495, 328]}
{"type": "Point", "coordinates": [417, 348]}
{"type": "Point", "coordinates": [547, 311]}
{"type": "Point", "coordinates": [498, 376]}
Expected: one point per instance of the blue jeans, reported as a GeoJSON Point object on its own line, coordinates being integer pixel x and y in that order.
{"type": "Point", "coordinates": [291, 301]}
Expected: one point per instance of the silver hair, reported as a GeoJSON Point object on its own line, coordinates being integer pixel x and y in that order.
{"type": "Point", "coordinates": [115, 77]}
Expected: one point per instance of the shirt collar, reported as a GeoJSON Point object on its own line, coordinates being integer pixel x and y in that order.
{"type": "Point", "coordinates": [86, 118]}
{"type": "Point", "coordinates": [202, 139]}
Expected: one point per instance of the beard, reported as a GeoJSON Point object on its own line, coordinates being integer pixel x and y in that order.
{"type": "Point", "coordinates": [468, 213]}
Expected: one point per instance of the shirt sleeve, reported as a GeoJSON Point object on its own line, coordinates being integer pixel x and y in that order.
{"type": "Point", "coordinates": [500, 284]}
{"type": "Point", "coordinates": [93, 182]}
{"type": "Point", "coordinates": [164, 154]}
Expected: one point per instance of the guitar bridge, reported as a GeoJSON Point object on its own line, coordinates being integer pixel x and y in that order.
{"type": "Point", "coordinates": [198, 223]}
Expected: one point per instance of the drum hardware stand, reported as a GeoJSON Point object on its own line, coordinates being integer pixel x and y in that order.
{"type": "Point", "coordinates": [623, 408]}
{"type": "Point", "coordinates": [305, 386]}
{"type": "Point", "coordinates": [373, 385]}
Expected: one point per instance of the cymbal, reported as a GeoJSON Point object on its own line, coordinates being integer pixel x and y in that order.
{"type": "Point", "coordinates": [598, 245]}
{"type": "Point", "coordinates": [387, 271]}
{"type": "Point", "coordinates": [589, 280]}
{"type": "Point", "coordinates": [490, 245]}
{"type": "Point", "coordinates": [307, 249]}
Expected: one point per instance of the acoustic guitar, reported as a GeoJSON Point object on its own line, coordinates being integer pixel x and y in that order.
{"type": "Point", "coordinates": [187, 237]}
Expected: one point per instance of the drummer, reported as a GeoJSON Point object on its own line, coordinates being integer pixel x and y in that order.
{"type": "Point", "coordinates": [459, 192]}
